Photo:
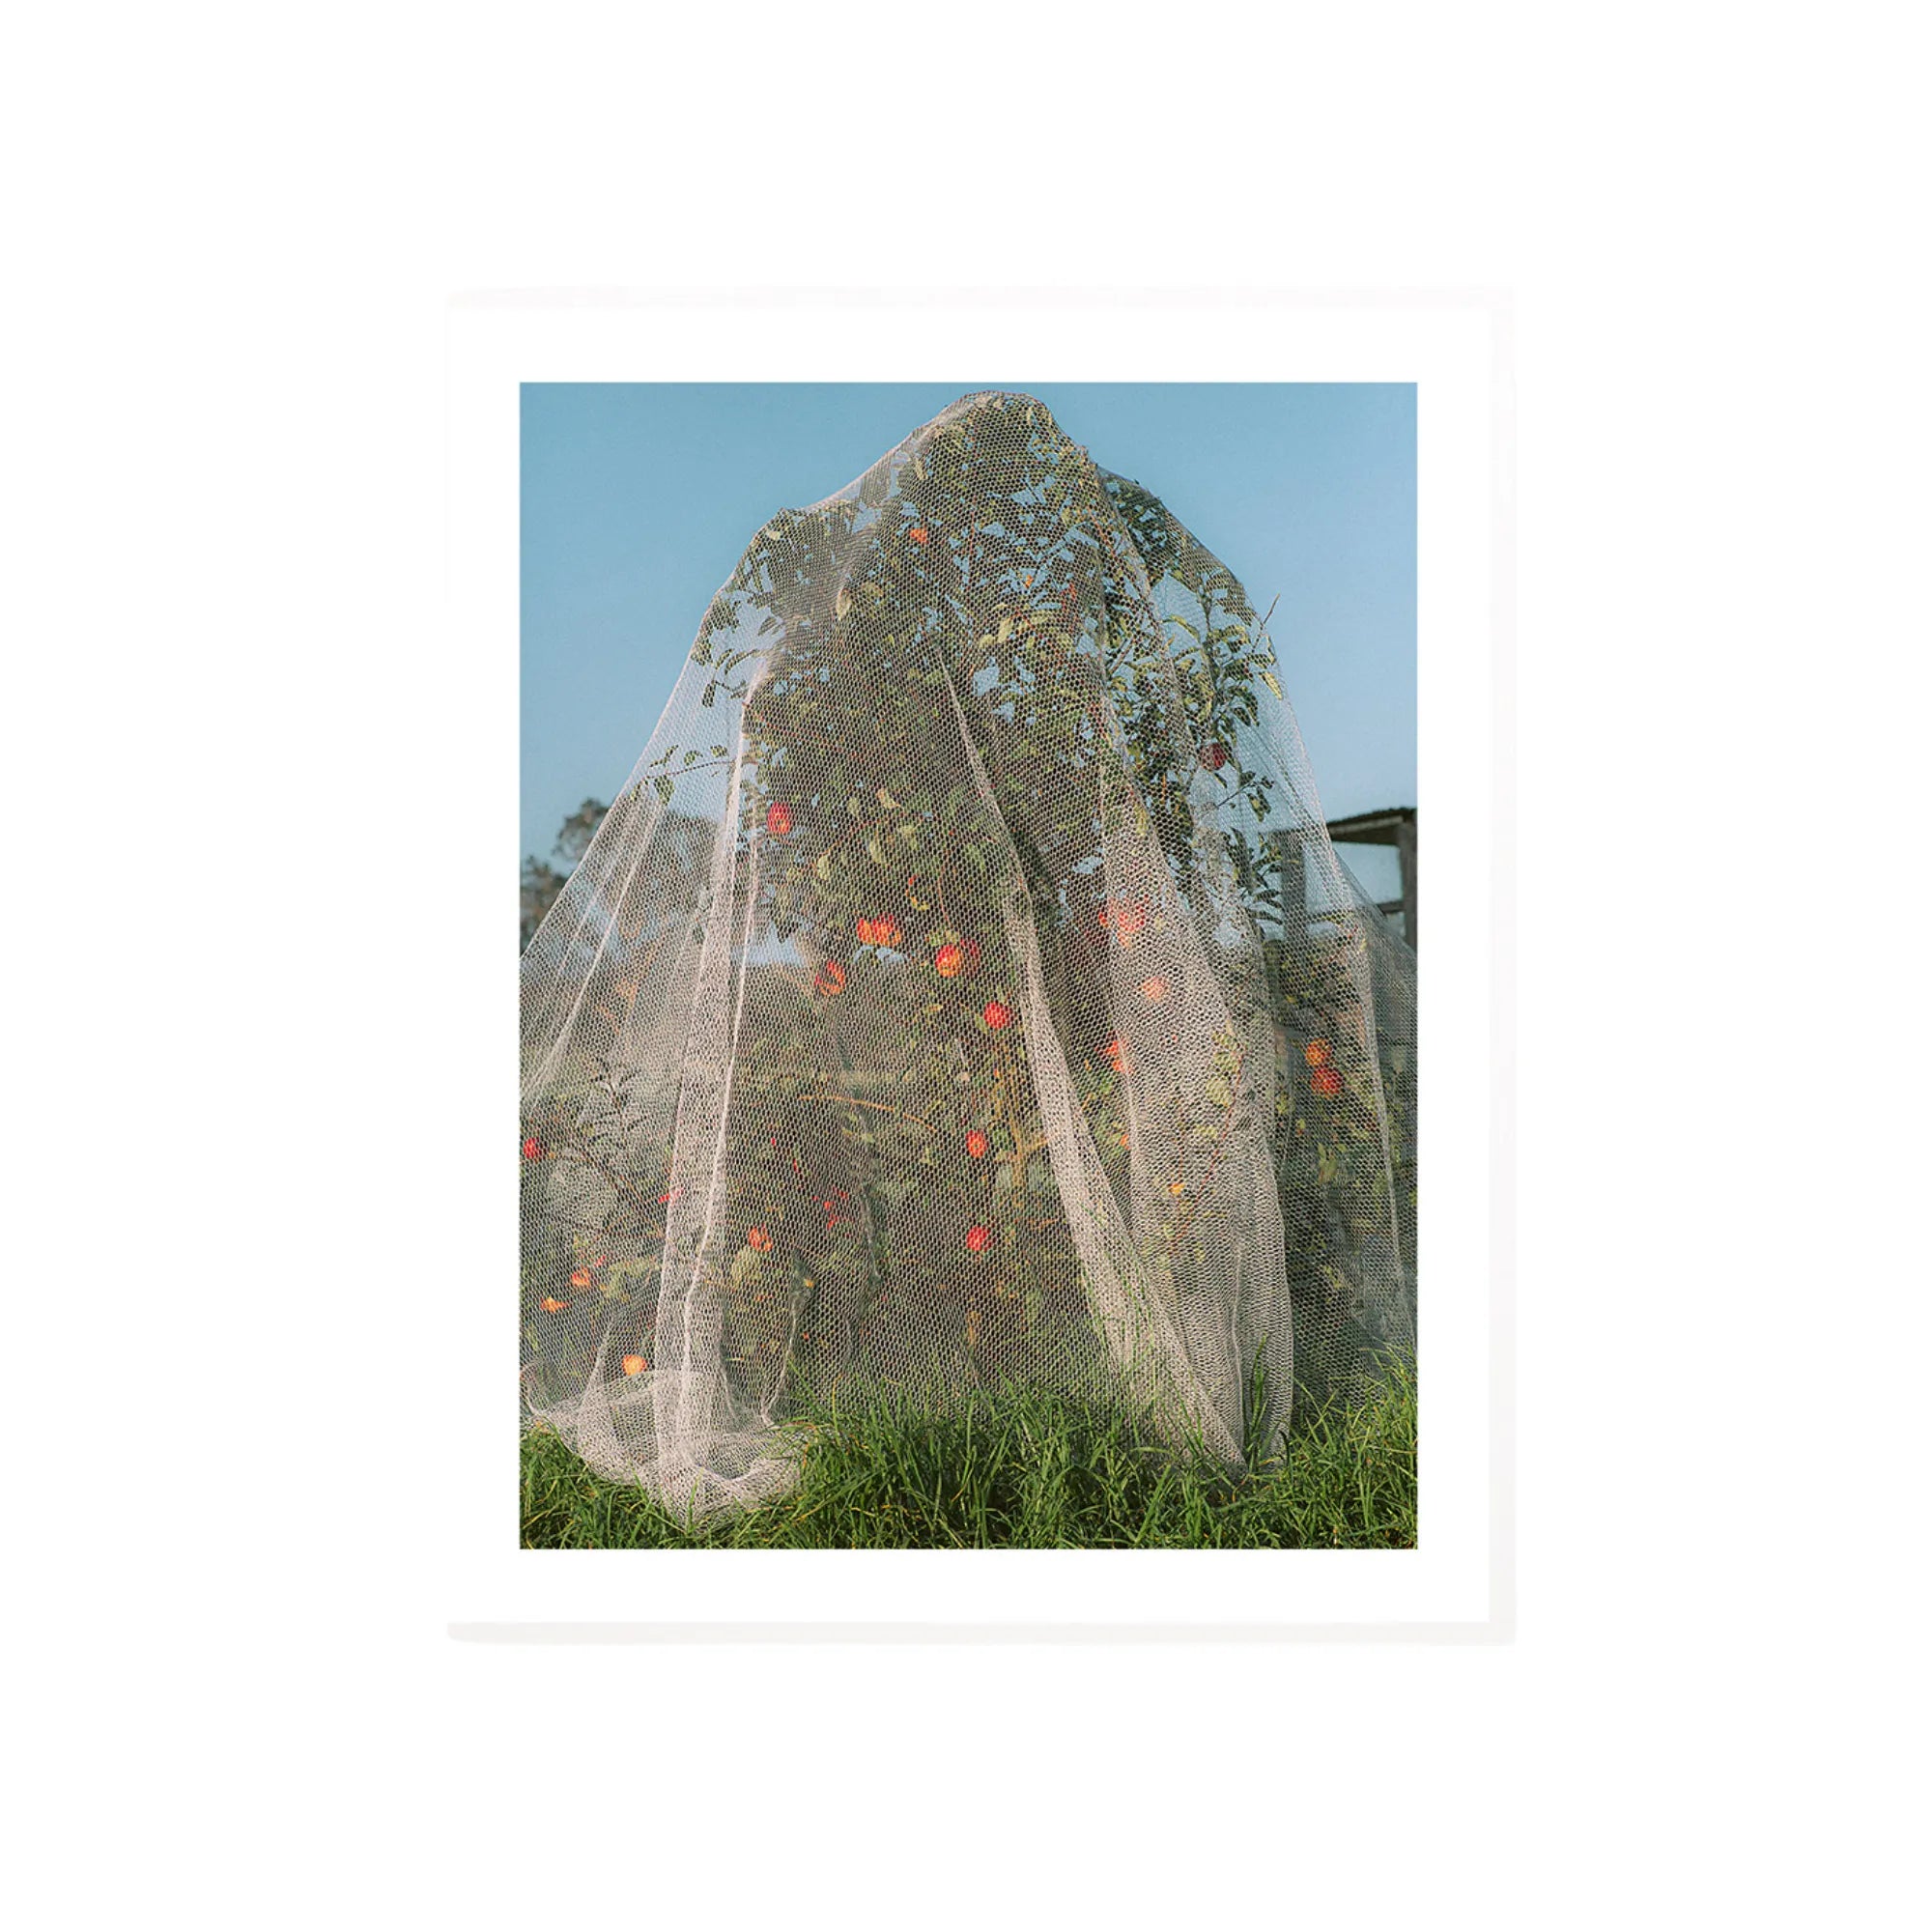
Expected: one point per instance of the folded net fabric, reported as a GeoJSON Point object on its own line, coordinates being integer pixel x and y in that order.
{"type": "Point", "coordinates": [963, 989]}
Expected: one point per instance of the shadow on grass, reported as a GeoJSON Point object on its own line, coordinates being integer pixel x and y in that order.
{"type": "Point", "coordinates": [1013, 1470]}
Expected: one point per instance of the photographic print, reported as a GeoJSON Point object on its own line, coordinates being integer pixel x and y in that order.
{"type": "Point", "coordinates": [968, 1074]}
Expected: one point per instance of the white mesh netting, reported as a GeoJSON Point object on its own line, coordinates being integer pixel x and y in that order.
{"type": "Point", "coordinates": [963, 988]}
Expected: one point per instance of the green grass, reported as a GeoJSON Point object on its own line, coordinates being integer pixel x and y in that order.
{"type": "Point", "coordinates": [1012, 1469]}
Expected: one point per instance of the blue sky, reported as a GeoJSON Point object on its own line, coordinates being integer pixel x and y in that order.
{"type": "Point", "coordinates": [637, 500]}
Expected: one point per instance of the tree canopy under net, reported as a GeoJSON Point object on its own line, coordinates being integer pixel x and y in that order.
{"type": "Point", "coordinates": [963, 989]}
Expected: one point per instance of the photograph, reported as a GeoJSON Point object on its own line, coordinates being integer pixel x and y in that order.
{"type": "Point", "coordinates": [968, 931]}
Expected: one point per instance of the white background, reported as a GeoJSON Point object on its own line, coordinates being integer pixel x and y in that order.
{"type": "Point", "coordinates": [242, 761]}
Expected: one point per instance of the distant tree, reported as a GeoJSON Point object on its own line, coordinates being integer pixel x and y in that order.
{"type": "Point", "coordinates": [542, 882]}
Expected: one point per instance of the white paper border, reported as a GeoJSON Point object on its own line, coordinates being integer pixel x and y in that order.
{"type": "Point", "coordinates": [1458, 1583]}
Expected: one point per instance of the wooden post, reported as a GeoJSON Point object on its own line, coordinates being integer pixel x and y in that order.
{"type": "Point", "coordinates": [1404, 848]}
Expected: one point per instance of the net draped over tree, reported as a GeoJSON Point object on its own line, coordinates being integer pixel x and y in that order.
{"type": "Point", "coordinates": [541, 881]}
{"type": "Point", "coordinates": [962, 988]}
